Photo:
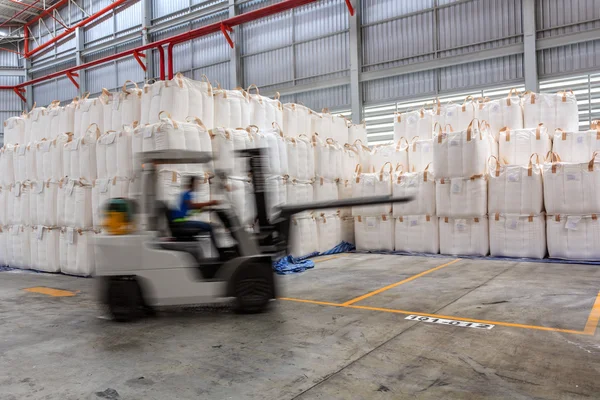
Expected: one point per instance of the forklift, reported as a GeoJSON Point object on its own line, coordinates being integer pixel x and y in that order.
{"type": "Point", "coordinates": [163, 264]}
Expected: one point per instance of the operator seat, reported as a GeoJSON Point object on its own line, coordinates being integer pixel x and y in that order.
{"type": "Point", "coordinates": [179, 230]}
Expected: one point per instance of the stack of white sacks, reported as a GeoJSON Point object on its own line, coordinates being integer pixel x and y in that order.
{"type": "Point", "coordinates": [60, 164]}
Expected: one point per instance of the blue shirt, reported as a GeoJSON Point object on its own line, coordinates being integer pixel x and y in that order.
{"type": "Point", "coordinates": [185, 198]}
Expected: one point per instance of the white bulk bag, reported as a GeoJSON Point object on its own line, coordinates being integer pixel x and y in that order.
{"type": "Point", "coordinates": [399, 128]}
{"type": "Point", "coordinates": [303, 236]}
{"type": "Point", "coordinates": [102, 191]}
{"type": "Point", "coordinates": [19, 162]}
{"type": "Point", "coordinates": [276, 194]}
{"type": "Point", "coordinates": [461, 154]}
{"type": "Point", "coordinates": [344, 192]}
{"type": "Point", "coordinates": [372, 185]}
{"type": "Point", "coordinates": [567, 111]}
{"type": "Point", "coordinates": [77, 255]}
{"type": "Point", "coordinates": [87, 113]}
{"type": "Point", "coordinates": [21, 208]}
{"type": "Point", "coordinates": [175, 98]}
{"type": "Point", "coordinates": [464, 236]}
{"type": "Point", "coordinates": [495, 117]}
{"type": "Point", "coordinates": [320, 124]}
{"type": "Point", "coordinates": [364, 156]}
{"type": "Point", "coordinates": [66, 118]}
{"type": "Point", "coordinates": [79, 155]}
{"type": "Point", "coordinates": [395, 153]}
{"type": "Point", "coordinates": [576, 147]}
{"type": "Point", "coordinates": [137, 146]}
{"type": "Point", "coordinates": [223, 150]}
{"type": "Point", "coordinates": [36, 202]}
{"type": "Point", "coordinates": [517, 236]}
{"type": "Point", "coordinates": [130, 104]}
{"type": "Point", "coordinates": [242, 140]}
{"type": "Point", "coordinates": [241, 195]}
{"type": "Point", "coordinates": [51, 120]}
{"type": "Point", "coordinates": [7, 162]}
{"type": "Point", "coordinates": [301, 158]}
{"type": "Point", "coordinates": [515, 189]}
{"type": "Point", "coordinates": [57, 153]}
{"type": "Point", "coordinates": [358, 132]}
{"type": "Point", "coordinates": [461, 197]}
{"type": "Point", "coordinates": [481, 112]}
{"type": "Point", "coordinates": [347, 229]}
{"type": "Point", "coordinates": [232, 109]}
{"type": "Point", "coordinates": [30, 161]}
{"type": "Point", "coordinates": [4, 193]}
{"type": "Point", "coordinates": [3, 251]}
{"type": "Point", "coordinates": [571, 188]}
{"type": "Point", "coordinates": [421, 185]}
{"type": "Point", "coordinates": [374, 233]}
{"type": "Point", "coordinates": [78, 203]}
{"type": "Point", "coordinates": [43, 159]}
{"type": "Point", "coordinates": [113, 155]}
{"type": "Point", "coordinates": [14, 130]}
{"type": "Point", "coordinates": [273, 143]}
{"type": "Point", "coordinates": [201, 101]}
{"type": "Point", "coordinates": [111, 110]}
{"type": "Point", "coordinates": [517, 146]}
{"type": "Point", "coordinates": [34, 125]}
{"type": "Point", "coordinates": [297, 120]}
{"type": "Point", "coordinates": [299, 191]}
{"type": "Point", "coordinates": [34, 259]}
{"type": "Point", "coordinates": [339, 129]}
{"type": "Point", "coordinates": [150, 102]}
{"type": "Point", "coordinates": [197, 138]}
{"type": "Point", "coordinates": [466, 114]}
{"type": "Point", "coordinates": [539, 108]}
{"type": "Point", "coordinates": [573, 237]}
{"type": "Point", "coordinates": [10, 205]}
{"type": "Point", "coordinates": [420, 154]}
{"type": "Point", "coordinates": [263, 111]}
{"type": "Point", "coordinates": [453, 116]}
{"type": "Point", "coordinates": [329, 231]}
{"type": "Point", "coordinates": [350, 159]}
{"type": "Point", "coordinates": [325, 190]}
{"type": "Point", "coordinates": [512, 110]}
{"type": "Point", "coordinates": [164, 135]}
{"type": "Point", "coordinates": [417, 234]}
{"type": "Point", "coordinates": [21, 248]}
{"type": "Point", "coordinates": [51, 207]}
{"type": "Point", "coordinates": [328, 158]}
{"type": "Point", "coordinates": [47, 242]}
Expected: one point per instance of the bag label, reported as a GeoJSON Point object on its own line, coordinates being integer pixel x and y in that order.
{"type": "Point", "coordinates": [371, 222]}
{"type": "Point", "coordinates": [40, 232]}
{"type": "Point", "coordinates": [514, 177]}
{"type": "Point", "coordinates": [573, 177]}
{"type": "Point", "coordinates": [512, 224]}
{"type": "Point", "coordinates": [21, 150]}
{"type": "Point", "coordinates": [425, 148]}
{"type": "Point", "coordinates": [70, 187]}
{"type": "Point", "coordinates": [70, 235]}
{"type": "Point", "coordinates": [572, 222]}
{"type": "Point", "coordinates": [148, 132]}
{"type": "Point", "coordinates": [454, 143]}
{"type": "Point", "coordinates": [456, 185]}
{"type": "Point", "coordinates": [580, 139]}
{"type": "Point", "coordinates": [17, 189]}
{"type": "Point", "coordinates": [413, 222]}
{"type": "Point", "coordinates": [460, 225]}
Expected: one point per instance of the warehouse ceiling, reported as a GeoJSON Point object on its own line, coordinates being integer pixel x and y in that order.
{"type": "Point", "coordinates": [17, 12]}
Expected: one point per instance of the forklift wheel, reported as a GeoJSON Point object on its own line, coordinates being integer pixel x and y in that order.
{"type": "Point", "coordinates": [253, 288]}
{"type": "Point", "coordinates": [125, 301]}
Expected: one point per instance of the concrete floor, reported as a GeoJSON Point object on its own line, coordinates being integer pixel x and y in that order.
{"type": "Point", "coordinates": [544, 344]}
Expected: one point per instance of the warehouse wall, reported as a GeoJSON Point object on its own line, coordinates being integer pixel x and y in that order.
{"type": "Point", "coordinates": [409, 48]}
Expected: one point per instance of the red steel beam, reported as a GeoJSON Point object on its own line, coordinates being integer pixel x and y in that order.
{"type": "Point", "coordinates": [171, 41]}
{"type": "Point", "coordinates": [68, 31]}
{"type": "Point", "coordinates": [47, 11]}
{"type": "Point", "coordinates": [19, 13]}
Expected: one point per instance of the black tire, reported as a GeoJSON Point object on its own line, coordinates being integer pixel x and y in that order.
{"type": "Point", "coordinates": [125, 301]}
{"type": "Point", "coordinates": [253, 288]}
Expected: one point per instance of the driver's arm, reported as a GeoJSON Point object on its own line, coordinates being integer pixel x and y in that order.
{"type": "Point", "coordinates": [198, 206]}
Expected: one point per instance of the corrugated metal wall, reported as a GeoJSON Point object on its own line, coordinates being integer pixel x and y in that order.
{"type": "Point", "coordinates": [310, 44]}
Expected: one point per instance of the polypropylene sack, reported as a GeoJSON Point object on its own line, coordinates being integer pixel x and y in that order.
{"type": "Point", "coordinates": [328, 158]}
{"type": "Point", "coordinates": [372, 184]}
{"type": "Point", "coordinates": [301, 158]}
{"type": "Point", "coordinates": [539, 108]}
{"type": "Point", "coordinates": [576, 147]}
{"type": "Point", "coordinates": [573, 237]}
{"type": "Point", "coordinates": [78, 203]}
{"type": "Point", "coordinates": [88, 112]}
{"type": "Point", "coordinates": [374, 233]}
{"type": "Point", "coordinates": [417, 234]}
{"type": "Point", "coordinates": [420, 154]}
{"type": "Point", "coordinates": [461, 197]}
{"type": "Point", "coordinates": [517, 146]}
{"type": "Point", "coordinates": [329, 231]}
{"type": "Point", "coordinates": [464, 236]}
{"type": "Point", "coordinates": [518, 236]}
{"type": "Point", "coordinates": [303, 236]}
{"type": "Point", "coordinates": [460, 154]}
{"type": "Point", "coordinates": [421, 185]}
{"type": "Point", "coordinates": [357, 131]}
{"type": "Point", "coordinates": [567, 111]}
{"type": "Point", "coordinates": [232, 109]}
{"type": "Point", "coordinates": [14, 130]}
{"type": "Point", "coordinates": [512, 110]}
{"type": "Point", "coordinates": [395, 153]}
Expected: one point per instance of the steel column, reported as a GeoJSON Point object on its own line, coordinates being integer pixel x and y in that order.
{"type": "Point", "coordinates": [146, 24]}
{"type": "Point", "coordinates": [530, 52]}
{"type": "Point", "coordinates": [356, 93]}
{"type": "Point", "coordinates": [235, 67]}
{"type": "Point", "coordinates": [79, 45]}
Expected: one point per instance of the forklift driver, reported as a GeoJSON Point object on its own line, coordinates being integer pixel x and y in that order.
{"type": "Point", "coordinates": [186, 205]}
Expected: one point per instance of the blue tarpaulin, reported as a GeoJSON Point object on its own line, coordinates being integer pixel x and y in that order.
{"type": "Point", "coordinates": [291, 265]}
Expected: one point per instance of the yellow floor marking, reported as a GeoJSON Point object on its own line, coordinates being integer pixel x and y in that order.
{"type": "Point", "coordinates": [594, 318]}
{"type": "Point", "coordinates": [480, 321]}
{"type": "Point", "coordinates": [393, 285]}
{"type": "Point", "coordinates": [321, 259]}
{"type": "Point", "coordinates": [51, 292]}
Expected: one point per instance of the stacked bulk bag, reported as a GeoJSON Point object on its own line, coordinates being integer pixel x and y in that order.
{"type": "Point", "coordinates": [399, 127]}
{"type": "Point", "coordinates": [328, 158]}
{"type": "Point", "coordinates": [20, 203]}
{"type": "Point", "coordinates": [515, 189]}
{"type": "Point", "coordinates": [301, 158]}
{"type": "Point", "coordinates": [512, 111]}
{"type": "Point", "coordinates": [241, 194]}
{"type": "Point", "coordinates": [201, 101]}
{"type": "Point", "coordinates": [365, 155]}
{"type": "Point", "coordinates": [420, 154]}
{"type": "Point", "coordinates": [495, 118]}
{"type": "Point", "coordinates": [34, 125]}
{"type": "Point", "coordinates": [438, 115]}
{"type": "Point", "coordinates": [36, 202]}
{"type": "Point", "coordinates": [273, 143]}
{"type": "Point", "coordinates": [464, 236]}
{"type": "Point", "coordinates": [47, 239]}
{"type": "Point", "coordinates": [3, 251]}
{"type": "Point", "coordinates": [79, 155]}
{"type": "Point", "coordinates": [421, 185]}
{"type": "Point", "coordinates": [357, 132]}
{"type": "Point", "coordinates": [53, 210]}
{"type": "Point", "coordinates": [339, 129]}
{"type": "Point", "coordinates": [417, 234]}
{"type": "Point", "coordinates": [51, 120]}
{"type": "Point", "coordinates": [453, 116]}
{"type": "Point", "coordinates": [7, 177]}
{"type": "Point", "coordinates": [113, 155]}
{"type": "Point", "coordinates": [303, 236]}
{"type": "Point", "coordinates": [329, 231]}
{"type": "Point", "coordinates": [4, 192]}
{"type": "Point", "coordinates": [517, 146]}
{"type": "Point", "coordinates": [299, 191]}
{"type": "Point", "coordinates": [461, 197]}
{"type": "Point", "coordinates": [374, 233]}
{"type": "Point", "coordinates": [122, 108]}
{"type": "Point", "coordinates": [393, 153]}
{"type": "Point", "coordinates": [232, 109]}
{"type": "Point", "coordinates": [264, 112]}
{"type": "Point", "coordinates": [419, 123]}
{"type": "Point", "coordinates": [577, 147]}
{"type": "Point", "coordinates": [66, 118]}
{"type": "Point", "coordinates": [567, 111]}
{"type": "Point", "coordinates": [20, 163]}
{"type": "Point", "coordinates": [372, 184]}
{"type": "Point", "coordinates": [276, 194]}
{"type": "Point", "coordinates": [539, 108]}
{"type": "Point", "coordinates": [76, 252]}
{"type": "Point", "coordinates": [104, 189]}
{"type": "Point", "coordinates": [88, 112]}
{"type": "Point", "coordinates": [19, 237]}
{"type": "Point", "coordinates": [14, 130]}
{"type": "Point", "coordinates": [347, 229]}
{"type": "Point", "coordinates": [466, 114]}
{"type": "Point", "coordinates": [350, 159]}
{"type": "Point", "coordinates": [325, 190]}
{"type": "Point", "coordinates": [514, 235]}
{"type": "Point", "coordinates": [573, 237]}
{"type": "Point", "coordinates": [77, 203]}
{"type": "Point", "coordinates": [297, 120]}
{"type": "Point", "coordinates": [460, 154]}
